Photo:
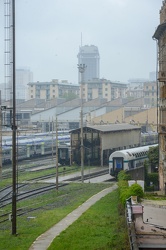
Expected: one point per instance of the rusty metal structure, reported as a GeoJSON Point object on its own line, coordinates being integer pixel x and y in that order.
{"type": "Point", "coordinates": [160, 37]}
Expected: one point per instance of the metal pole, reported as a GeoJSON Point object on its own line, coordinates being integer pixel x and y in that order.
{"type": "Point", "coordinates": [0, 140]}
{"type": "Point", "coordinates": [14, 209]}
{"type": "Point", "coordinates": [81, 68]}
{"type": "Point", "coordinates": [52, 142]}
{"type": "Point", "coordinates": [56, 154]}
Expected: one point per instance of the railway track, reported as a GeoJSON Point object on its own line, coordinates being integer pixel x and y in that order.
{"type": "Point", "coordinates": [37, 164]}
{"type": "Point", "coordinates": [6, 193]}
{"type": "Point", "coordinates": [89, 175]}
{"type": "Point", "coordinates": [28, 194]}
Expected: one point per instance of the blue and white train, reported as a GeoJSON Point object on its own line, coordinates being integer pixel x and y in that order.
{"type": "Point", "coordinates": [128, 159]}
{"type": "Point", "coordinates": [38, 146]}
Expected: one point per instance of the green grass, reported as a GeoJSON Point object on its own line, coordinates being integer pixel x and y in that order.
{"type": "Point", "coordinates": [33, 174]}
{"type": "Point", "coordinates": [24, 176]}
{"type": "Point", "coordinates": [100, 227]}
{"type": "Point", "coordinates": [55, 207]}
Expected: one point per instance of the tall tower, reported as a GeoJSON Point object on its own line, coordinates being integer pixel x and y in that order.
{"type": "Point", "coordinates": [89, 55]}
{"type": "Point", "coordinates": [160, 36]}
{"type": "Point", "coordinates": [23, 77]}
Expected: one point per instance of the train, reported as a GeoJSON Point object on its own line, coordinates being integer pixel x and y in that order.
{"type": "Point", "coordinates": [44, 144]}
{"type": "Point", "coordinates": [28, 148]}
{"type": "Point", "coordinates": [128, 159]}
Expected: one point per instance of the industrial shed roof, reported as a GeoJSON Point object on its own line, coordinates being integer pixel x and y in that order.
{"type": "Point", "coordinates": [111, 127]}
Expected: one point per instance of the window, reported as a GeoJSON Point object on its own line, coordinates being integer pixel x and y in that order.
{"type": "Point", "coordinates": [26, 115]}
{"type": "Point", "coordinates": [31, 96]}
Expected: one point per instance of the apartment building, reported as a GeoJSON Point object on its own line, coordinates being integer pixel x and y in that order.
{"type": "Point", "coordinates": [102, 88]}
{"type": "Point", "coordinates": [150, 94]}
{"type": "Point", "coordinates": [52, 90]}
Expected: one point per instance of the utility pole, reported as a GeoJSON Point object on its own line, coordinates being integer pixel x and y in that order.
{"type": "Point", "coordinates": [52, 142]}
{"type": "Point", "coordinates": [14, 128]}
{"type": "Point", "coordinates": [57, 154]}
{"type": "Point", "coordinates": [81, 68]}
{"type": "Point", "coordinates": [0, 140]}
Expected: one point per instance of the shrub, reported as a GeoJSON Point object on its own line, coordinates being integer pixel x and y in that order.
{"type": "Point", "coordinates": [136, 190]}
{"type": "Point", "coordinates": [122, 175]}
{"type": "Point", "coordinates": [154, 177]}
{"type": "Point", "coordinates": [124, 195]}
{"type": "Point", "coordinates": [125, 191]}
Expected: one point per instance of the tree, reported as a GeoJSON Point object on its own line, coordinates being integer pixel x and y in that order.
{"type": "Point", "coordinates": [70, 96]}
{"type": "Point", "coordinates": [153, 156]}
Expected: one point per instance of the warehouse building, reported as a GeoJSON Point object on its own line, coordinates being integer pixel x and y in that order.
{"type": "Point", "coordinates": [100, 141]}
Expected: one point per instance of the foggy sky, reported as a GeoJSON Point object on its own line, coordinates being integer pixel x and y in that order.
{"type": "Point", "coordinates": [48, 36]}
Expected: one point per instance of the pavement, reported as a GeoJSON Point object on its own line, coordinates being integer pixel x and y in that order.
{"type": "Point", "coordinates": [155, 214]}
{"type": "Point", "coordinates": [45, 240]}
{"type": "Point", "coordinates": [150, 226]}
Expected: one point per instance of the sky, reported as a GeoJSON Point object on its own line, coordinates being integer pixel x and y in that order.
{"type": "Point", "coordinates": [48, 36]}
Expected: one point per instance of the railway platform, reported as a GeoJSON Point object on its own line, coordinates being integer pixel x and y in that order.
{"type": "Point", "coordinates": [88, 173]}
{"type": "Point", "coordinates": [44, 240]}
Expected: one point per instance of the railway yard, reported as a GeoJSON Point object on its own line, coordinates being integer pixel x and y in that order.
{"type": "Point", "coordinates": [29, 187]}
{"type": "Point", "coordinates": [37, 190]}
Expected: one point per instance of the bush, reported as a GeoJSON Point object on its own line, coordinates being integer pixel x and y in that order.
{"type": "Point", "coordinates": [125, 191]}
{"type": "Point", "coordinates": [122, 175]}
{"type": "Point", "coordinates": [154, 177]}
{"type": "Point", "coordinates": [151, 181]}
{"type": "Point", "coordinates": [124, 195]}
{"type": "Point", "coordinates": [136, 190]}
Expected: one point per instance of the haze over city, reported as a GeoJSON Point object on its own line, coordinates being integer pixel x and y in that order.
{"type": "Point", "coordinates": [48, 36]}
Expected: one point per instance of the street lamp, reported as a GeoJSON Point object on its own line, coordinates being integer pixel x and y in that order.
{"type": "Point", "coordinates": [81, 68]}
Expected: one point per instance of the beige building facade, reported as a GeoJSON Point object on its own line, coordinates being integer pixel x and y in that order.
{"type": "Point", "coordinates": [148, 117]}
{"type": "Point", "coordinates": [160, 36]}
{"type": "Point", "coordinates": [52, 90]}
{"type": "Point", "coordinates": [150, 94]}
{"type": "Point", "coordinates": [102, 88]}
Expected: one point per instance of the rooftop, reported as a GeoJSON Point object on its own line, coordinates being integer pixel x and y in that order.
{"type": "Point", "coordinates": [112, 127]}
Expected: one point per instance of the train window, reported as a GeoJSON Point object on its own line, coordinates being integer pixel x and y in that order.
{"type": "Point", "coordinates": [118, 163]}
{"type": "Point", "coordinates": [131, 164]}
{"type": "Point", "coordinates": [129, 154]}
